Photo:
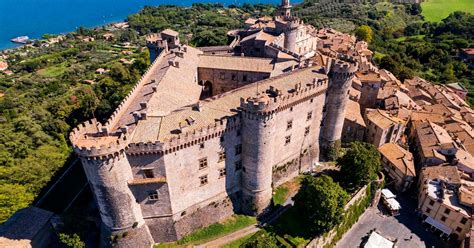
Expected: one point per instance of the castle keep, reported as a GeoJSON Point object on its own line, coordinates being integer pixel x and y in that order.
{"type": "Point", "coordinates": [209, 132]}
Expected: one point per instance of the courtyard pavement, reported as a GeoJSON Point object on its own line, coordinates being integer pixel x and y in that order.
{"type": "Point", "coordinates": [406, 228]}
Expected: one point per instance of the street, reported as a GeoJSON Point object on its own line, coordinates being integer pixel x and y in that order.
{"type": "Point", "coordinates": [406, 227]}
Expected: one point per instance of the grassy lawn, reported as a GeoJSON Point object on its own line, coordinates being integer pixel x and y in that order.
{"type": "Point", "coordinates": [53, 71]}
{"type": "Point", "coordinates": [212, 232]}
{"type": "Point", "coordinates": [414, 37]}
{"type": "Point", "coordinates": [437, 10]}
{"type": "Point", "coordinates": [282, 192]}
{"type": "Point", "coordinates": [237, 243]}
{"type": "Point", "coordinates": [289, 228]}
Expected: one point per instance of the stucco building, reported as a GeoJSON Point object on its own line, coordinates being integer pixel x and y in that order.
{"type": "Point", "coordinates": [399, 165]}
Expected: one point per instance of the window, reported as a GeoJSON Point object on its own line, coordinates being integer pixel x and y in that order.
{"type": "Point", "coordinates": [238, 149]}
{"type": "Point", "coordinates": [463, 220]}
{"type": "Point", "coordinates": [244, 78]}
{"type": "Point", "coordinates": [306, 131]}
{"type": "Point", "coordinates": [447, 211]}
{"type": "Point", "coordinates": [431, 202]}
{"type": "Point", "coordinates": [202, 163]}
{"type": "Point", "coordinates": [234, 77]}
{"type": "Point", "coordinates": [221, 156]}
{"type": "Point", "coordinates": [428, 210]}
{"type": "Point", "coordinates": [222, 75]}
{"type": "Point", "coordinates": [443, 218]}
{"type": "Point", "coordinates": [148, 173]}
{"type": "Point", "coordinates": [309, 116]}
{"type": "Point", "coordinates": [201, 146]}
{"type": "Point", "coordinates": [238, 165]}
{"type": "Point", "coordinates": [458, 229]}
{"type": "Point", "coordinates": [289, 125]}
{"type": "Point", "coordinates": [153, 195]}
{"type": "Point", "coordinates": [287, 139]}
{"type": "Point", "coordinates": [291, 109]}
{"type": "Point", "coordinates": [238, 133]}
{"type": "Point", "coordinates": [222, 138]}
{"type": "Point", "coordinates": [221, 172]}
{"type": "Point", "coordinates": [203, 180]}
{"type": "Point", "coordinates": [311, 101]}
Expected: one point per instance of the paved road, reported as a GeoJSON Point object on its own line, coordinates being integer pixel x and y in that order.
{"type": "Point", "coordinates": [401, 227]}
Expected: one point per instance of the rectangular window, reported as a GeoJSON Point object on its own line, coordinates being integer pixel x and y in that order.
{"type": "Point", "coordinates": [447, 211]}
{"type": "Point", "coordinates": [238, 133]}
{"type": "Point", "coordinates": [153, 195]}
{"type": "Point", "coordinates": [222, 75]}
{"type": "Point", "coordinates": [428, 210]}
{"type": "Point", "coordinates": [309, 116]}
{"type": "Point", "coordinates": [201, 146]}
{"type": "Point", "coordinates": [431, 203]}
{"type": "Point", "coordinates": [311, 101]}
{"type": "Point", "coordinates": [203, 180]}
{"type": "Point", "coordinates": [443, 218]}
{"type": "Point", "coordinates": [221, 172]}
{"type": "Point", "coordinates": [202, 163]}
{"type": "Point", "coordinates": [287, 139]}
{"type": "Point", "coordinates": [234, 77]}
{"type": "Point", "coordinates": [221, 138]}
{"type": "Point", "coordinates": [238, 149]}
{"type": "Point", "coordinates": [221, 156]}
{"type": "Point", "coordinates": [289, 125]}
{"type": "Point", "coordinates": [238, 165]}
{"type": "Point", "coordinates": [458, 229]}
{"type": "Point", "coordinates": [463, 220]}
{"type": "Point", "coordinates": [306, 131]}
{"type": "Point", "coordinates": [244, 78]}
{"type": "Point", "coordinates": [148, 173]}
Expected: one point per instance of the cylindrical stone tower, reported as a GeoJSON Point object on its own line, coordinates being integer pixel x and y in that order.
{"type": "Point", "coordinates": [108, 172]}
{"type": "Point", "coordinates": [155, 45]}
{"type": "Point", "coordinates": [340, 79]}
{"type": "Point", "coordinates": [258, 131]}
{"type": "Point", "coordinates": [291, 34]}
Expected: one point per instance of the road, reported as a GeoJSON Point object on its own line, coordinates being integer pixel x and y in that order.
{"type": "Point", "coordinates": [406, 227]}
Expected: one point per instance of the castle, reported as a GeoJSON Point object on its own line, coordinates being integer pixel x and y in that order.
{"type": "Point", "coordinates": [209, 132]}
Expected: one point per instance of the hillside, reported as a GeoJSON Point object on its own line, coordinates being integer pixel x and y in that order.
{"type": "Point", "coordinates": [437, 10]}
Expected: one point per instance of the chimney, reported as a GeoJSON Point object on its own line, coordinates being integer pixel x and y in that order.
{"type": "Point", "coordinates": [143, 105]}
{"type": "Point", "coordinates": [176, 64]}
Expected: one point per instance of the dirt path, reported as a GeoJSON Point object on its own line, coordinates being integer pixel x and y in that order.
{"type": "Point", "coordinates": [230, 237]}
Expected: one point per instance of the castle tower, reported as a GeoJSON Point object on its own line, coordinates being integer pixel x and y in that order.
{"type": "Point", "coordinates": [340, 79]}
{"type": "Point", "coordinates": [285, 8]}
{"type": "Point", "coordinates": [258, 131]}
{"type": "Point", "coordinates": [155, 45]}
{"type": "Point", "coordinates": [108, 172]}
{"type": "Point", "coordinates": [291, 34]}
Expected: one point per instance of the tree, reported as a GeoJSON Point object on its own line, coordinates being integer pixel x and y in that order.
{"type": "Point", "coordinates": [13, 197]}
{"type": "Point", "coordinates": [71, 240]}
{"type": "Point", "coordinates": [261, 239]}
{"type": "Point", "coordinates": [364, 33]}
{"type": "Point", "coordinates": [322, 202]}
{"type": "Point", "coordinates": [359, 165]}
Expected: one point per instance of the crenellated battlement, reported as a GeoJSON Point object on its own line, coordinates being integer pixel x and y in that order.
{"type": "Point", "coordinates": [344, 68]}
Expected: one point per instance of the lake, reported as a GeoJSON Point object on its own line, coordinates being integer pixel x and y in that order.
{"type": "Point", "coordinates": [34, 18]}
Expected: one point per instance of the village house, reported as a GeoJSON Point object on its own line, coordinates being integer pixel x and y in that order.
{"type": "Point", "coordinates": [399, 165]}
{"type": "Point", "coordinates": [439, 202]}
{"type": "Point", "coordinates": [382, 128]}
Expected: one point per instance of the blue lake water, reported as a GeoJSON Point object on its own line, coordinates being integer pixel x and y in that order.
{"type": "Point", "coordinates": [34, 18]}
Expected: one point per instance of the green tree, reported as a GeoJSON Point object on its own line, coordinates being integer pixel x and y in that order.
{"type": "Point", "coordinates": [364, 33]}
{"type": "Point", "coordinates": [359, 165]}
{"type": "Point", "coordinates": [321, 201]}
{"type": "Point", "coordinates": [261, 239]}
{"type": "Point", "coordinates": [12, 198]}
{"type": "Point", "coordinates": [71, 240]}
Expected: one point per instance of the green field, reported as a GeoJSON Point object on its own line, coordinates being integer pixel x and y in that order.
{"type": "Point", "coordinates": [437, 10]}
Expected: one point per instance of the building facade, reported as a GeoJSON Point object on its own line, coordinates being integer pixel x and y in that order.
{"type": "Point", "coordinates": [202, 137]}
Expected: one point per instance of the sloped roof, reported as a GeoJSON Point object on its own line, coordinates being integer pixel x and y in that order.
{"type": "Point", "coordinates": [236, 63]}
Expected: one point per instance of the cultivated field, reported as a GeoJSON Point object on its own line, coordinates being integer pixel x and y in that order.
{"type": "Point", "coordinates": [436, 10]}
